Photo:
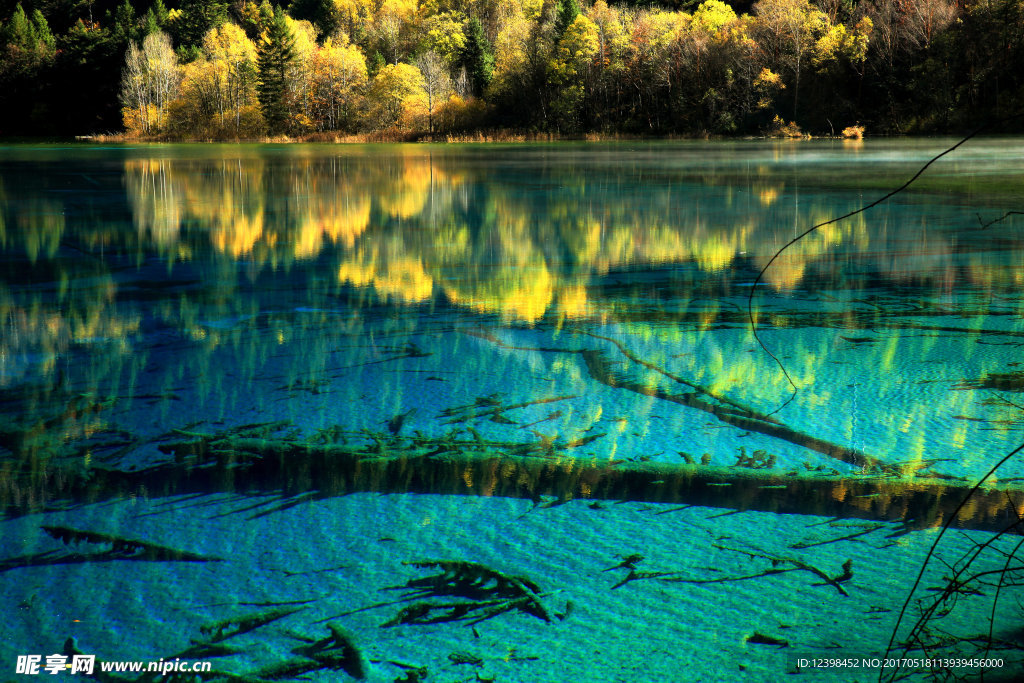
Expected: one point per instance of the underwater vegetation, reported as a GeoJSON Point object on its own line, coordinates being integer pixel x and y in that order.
{"type": "Point", "coordinates": [336, 652]}
{"type": "Point", "coordinates": [103, 548]}
{"type": "Point", "coordinates": [265, 346]}
{"type": "Point", "coordinates": [482, 593]}
{"type": "Point", "coordinates": [276, 459]}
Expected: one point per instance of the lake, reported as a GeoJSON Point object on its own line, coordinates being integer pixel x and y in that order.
{"type": "Point", "coordinates": [535, 412]}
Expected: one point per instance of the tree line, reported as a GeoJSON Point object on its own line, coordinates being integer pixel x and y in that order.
{"type": "Point", "coordinates": [219, 70]}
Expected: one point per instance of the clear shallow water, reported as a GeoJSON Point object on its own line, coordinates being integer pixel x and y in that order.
{"type": "Point", "coordinates": [541, 356]}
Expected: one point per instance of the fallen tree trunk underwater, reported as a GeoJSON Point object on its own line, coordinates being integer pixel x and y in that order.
{"type": "Point", "coordinates": [295, 471]}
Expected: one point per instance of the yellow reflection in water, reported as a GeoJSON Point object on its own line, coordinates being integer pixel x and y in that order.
{"type": "Point", "coordinates": [408, 226]}
{"type": "Point", "coordinates": [410, 210]}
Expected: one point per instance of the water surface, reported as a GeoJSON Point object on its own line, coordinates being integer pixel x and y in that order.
{"type": "Point", "coordinates": [317, 376]}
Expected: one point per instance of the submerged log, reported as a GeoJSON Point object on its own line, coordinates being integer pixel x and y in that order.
{"type": "Point", "coordinates": [291, 469]}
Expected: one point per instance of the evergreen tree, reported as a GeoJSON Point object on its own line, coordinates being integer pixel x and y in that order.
{"type": "Point", "coordinates": [123, 21]}
{"type": "Point", "coordinates": [196, 18]}
{"type": "Point", "coordinates": [86, 72]}
{"type": "Point", "coordinates": [375, 63]}
{"type": "Point", "coordinates": [26, 45]}
{"type": "Point", "coordinates": [18, 32]}
{"type": "Point", "coordinates": [155, 18]}
{"type": "Point", "coordinates": [44, 36]}
{"type": "Point", "coordinates": [276, 52]}
{"type": "Point", "coordinates": [477, 57]}
{"type": "Point", "coordinates": [567, 12]}
{"type": "Point", "coordinates": [321, 13]}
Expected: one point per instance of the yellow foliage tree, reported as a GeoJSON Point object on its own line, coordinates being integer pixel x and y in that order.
{"type": "Point", "coordinates": [337, 82]}
{"type": "Point", "coordinates": [230, 78]}
{"type": "Point", "coordinates": [392, 26]}
{"type": "Point", "coordinates": [573, 54]}
{"type": "Point", "coordinates": [788, 31]}
{"type": "Point", "coordinates": [298, 79]}
{"type": "Point", "coordinates": [444, 34]}
{"type": "Point", "coordinates": [148, 84]}
{"type": "Point", "coordinates": [397, 97]}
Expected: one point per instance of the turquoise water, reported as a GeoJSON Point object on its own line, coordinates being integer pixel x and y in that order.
{"type": "Point", "coordinates": [499, 412]}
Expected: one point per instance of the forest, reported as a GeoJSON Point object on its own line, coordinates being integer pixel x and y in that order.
{"type": "Point", "coordinates": [437, 69]}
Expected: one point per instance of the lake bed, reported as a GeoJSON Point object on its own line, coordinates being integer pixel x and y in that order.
{"type": "Point", "coordinates": [500, 412]}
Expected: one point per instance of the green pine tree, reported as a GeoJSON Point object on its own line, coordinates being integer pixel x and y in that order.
{"type": "Point", "coordinates": [321, 13]}
{"type": "Point", "coordinates": [155, 18]}
{"type": "Point", "coordinates": [123, 21]}
{"type": "Point", "coordinates": [197, 17]}
{"type": "Point", "coordinates": [18, 31]}
{"type": "Point", "coordinates": [276, 53]}
{"type": "Point", "coordinates": [44, 36]}
{"type": "Point", "coordinates": [477, 57]}
{"type": "Point", "coordinates": [568, 10]}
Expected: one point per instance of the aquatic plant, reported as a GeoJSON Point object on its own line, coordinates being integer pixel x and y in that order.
{"type": "Point", "coordinates": [125, 548]}
{"type": "Point", "coordinates": [460, 575]}
{"type": "Point", "coordinates": [1002, 381]}
{"type": "Point", "coordinates": [237, 625]}
{"type": "Point", "coordinates": [110, 548]}
{"type": "Point", "coordinates": [780, 564]}
{"type": "Point", "coordinates": [758, 460]}
{"type": "Point", "coordinates": [336, 652]}
{"type": "Point", "coordinates": [490, 593]}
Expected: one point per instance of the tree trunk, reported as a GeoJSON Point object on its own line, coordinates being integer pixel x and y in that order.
{"type": "Point", "coordinates": [207, 464]}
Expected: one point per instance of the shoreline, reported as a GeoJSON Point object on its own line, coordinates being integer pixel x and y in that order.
{"type": "Point", "coordinates": [490, 137]}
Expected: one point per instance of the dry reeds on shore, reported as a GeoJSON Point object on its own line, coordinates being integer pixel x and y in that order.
{"type": "Point", "coordinates": [389, 135]}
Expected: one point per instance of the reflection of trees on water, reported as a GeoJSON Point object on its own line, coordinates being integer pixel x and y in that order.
{"type": "Point", "coordinates": [525, 241]}
{"type": "Point", "coordinates": [529, 238]}
{"type": "Point", "coordinates": [267, 284]}
{"type": "Point", "coordinates": [421, 214]}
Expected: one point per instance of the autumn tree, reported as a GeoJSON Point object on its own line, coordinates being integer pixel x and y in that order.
{"type": "Point", "coordinates": [393, 29]}
{"type": "Point", "coordinates": [723, 68]}
{"type": "Point", "coordinates": [397, 96]}
{"type": "Point", "coordinates": [839, 59]}
{"type": "Point", "coordinates": [323, 14]}
{"type": "Point", "coordinates": [520, 88]}
{"type": "Point", "coordinates": [608, 66]}
{"type": "Point", "coordinates": [355, 19]}
{"type": "Point", "coordinates": [298, 77]}
{"type": "Point", "coordinates": [444, 33]}
{"type": "Point", "coordinates": [653, 65]}
{"type": "Point", "coordinates": [924, 20]}
{"type": "Point", "coordinates": [574, 52]}
{"type": "Point", "coordinates": [254, 18]}
{"type": "Point", "coordinates": [233, 73]}
{"type": "Point", "coordinates": [338, 80]}
{"type": "Point", "coordinates": [437, 85]}
{"type": "Point", "coordinates": [148, 84]}
{"type": "Point", "coordinates": [788, 31]}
